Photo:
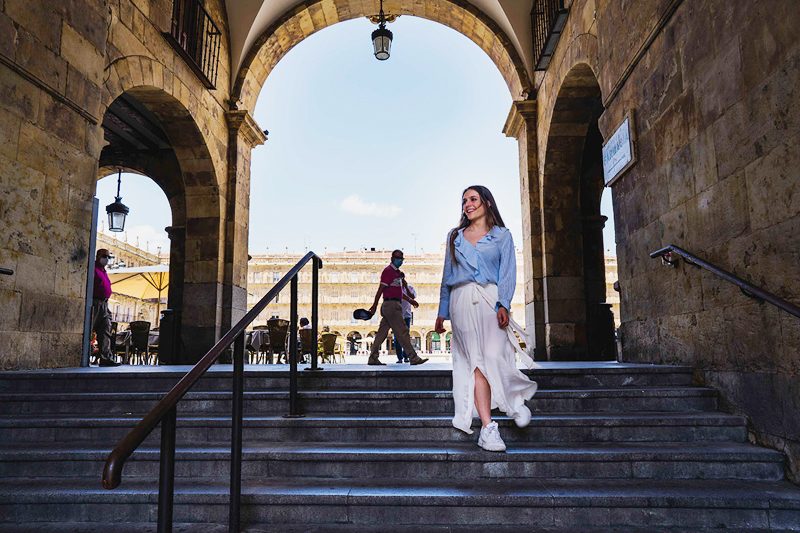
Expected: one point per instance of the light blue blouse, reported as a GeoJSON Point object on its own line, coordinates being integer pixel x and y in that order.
{"type": "Point", "coordinates": [491, 260]}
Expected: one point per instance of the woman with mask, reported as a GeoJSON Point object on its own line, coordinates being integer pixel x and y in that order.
{"type": "Point", "coordinates": [477, 287]}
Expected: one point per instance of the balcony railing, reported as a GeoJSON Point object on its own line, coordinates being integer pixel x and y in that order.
{"type": "Point", "coordinates": [548, 18]}
{"type": "Point", "coordinates": [195, 36]}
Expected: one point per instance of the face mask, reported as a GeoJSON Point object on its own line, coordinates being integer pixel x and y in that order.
{"type": "Point", "coordinates": [103, 261]}
{"type": "Point", "coordinates": [397, 262]}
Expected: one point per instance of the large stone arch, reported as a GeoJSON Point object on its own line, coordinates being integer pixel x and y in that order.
{"type": "Point", "coordinates": [571, 225]}
{"type": "Point", "coordinates": [188, 174]}
{"type": "Point", "coordinates": [310, 16]}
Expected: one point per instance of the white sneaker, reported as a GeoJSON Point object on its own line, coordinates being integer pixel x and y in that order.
{"type": "Point", "coordinates": [523, 417]}
{"type": "Point", "coordinates": [490, 439]}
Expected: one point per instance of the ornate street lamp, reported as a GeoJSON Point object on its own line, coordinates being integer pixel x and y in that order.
{"type": "Point", "coordinates": [382, 38]}
{"type": "Point", "coordinates": [117, 211]}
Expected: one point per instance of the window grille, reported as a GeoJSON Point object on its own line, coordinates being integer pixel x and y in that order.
{"type": "Point", "coordinates": [548, 18]}
{"type": "Point", "coordinates": [197, 38]}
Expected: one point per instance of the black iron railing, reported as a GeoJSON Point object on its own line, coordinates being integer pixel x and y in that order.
{"type": "Point", "coordinates": [548, 18]}
{"type": "Point", "coordinates": [197, 38]}
{"type": "Point", "coordinates": [670, 255]}
{"type": "Point", "coordinates": [6, 271]}
{"type": "Point", "coordinates": [164, 412]}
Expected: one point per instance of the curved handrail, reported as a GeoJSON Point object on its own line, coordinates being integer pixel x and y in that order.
{"type": "Point", "coordinates": [747, 288]}
{"type": "Point", "coordinates": [112, 473]}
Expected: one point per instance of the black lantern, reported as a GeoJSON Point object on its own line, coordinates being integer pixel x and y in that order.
{"type": "Point", "coordinates": [117, 211]}
{"type": "Point", "coordinates": [382, 38]}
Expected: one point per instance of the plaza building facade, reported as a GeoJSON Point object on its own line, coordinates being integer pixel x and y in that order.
{"type": "Point", "coordinates": [348, 281]}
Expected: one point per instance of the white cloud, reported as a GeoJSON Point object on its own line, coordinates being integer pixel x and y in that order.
{"type": "Point", "coordinates": [354, 205]}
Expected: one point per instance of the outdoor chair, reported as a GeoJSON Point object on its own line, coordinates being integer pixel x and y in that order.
{"type": "Point", "coordinates": [278, 330]}
{"type": "Point", "coordinates": [140, 349]}
{"type": "Point", "coordinates": [307, 343]}
{"type": "Point", "coordinates": [329, 347]}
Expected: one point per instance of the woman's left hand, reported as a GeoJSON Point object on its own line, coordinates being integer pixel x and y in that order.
{"type": "Point", "coordinates": [502, 318]}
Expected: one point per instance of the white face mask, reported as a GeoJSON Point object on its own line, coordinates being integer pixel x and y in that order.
{"type": "Point", "coordinates": [103, 261]}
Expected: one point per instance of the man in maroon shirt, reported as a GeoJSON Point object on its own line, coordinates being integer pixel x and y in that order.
{"type": "Point", "coordinates": [101, 316]}
{"type": "Point", "coordinates": [391, 288]}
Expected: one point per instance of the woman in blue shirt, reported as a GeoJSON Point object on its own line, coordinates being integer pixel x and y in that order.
{"type": "Point", "coordinates": [477, 287]}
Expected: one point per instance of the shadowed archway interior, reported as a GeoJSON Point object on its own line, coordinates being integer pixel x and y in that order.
{"type": "Point", "coordinates": [578, 321]}
{"type": "Point", "coordinates": [151, 133]}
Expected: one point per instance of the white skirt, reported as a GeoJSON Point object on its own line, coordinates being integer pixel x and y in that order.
{"type": "Point", "coordinates": [478, 342]}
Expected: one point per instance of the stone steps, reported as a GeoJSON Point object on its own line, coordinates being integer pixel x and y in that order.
{"type": "Point", "coordinates": [556, 503]}
{"type": "Point", "coordinates": [433, 377]}
{"type": "Point", "coordinates": [633, 448]}
{"type": "Point", "coordinates": [348, 402]}
{"type": "Point", "coordinates": [149, 527]}
{"type": "Point", "coordinates": [557, 427]}
{"type": "Point", "coordinates": [417, 461]}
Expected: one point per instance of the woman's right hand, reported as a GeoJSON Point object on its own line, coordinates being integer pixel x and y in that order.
{"type": "Point", "coordinates": [439, 327]}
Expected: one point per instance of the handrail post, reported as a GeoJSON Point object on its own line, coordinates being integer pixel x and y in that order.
{"type": "Point", "coordinates": [237, 401]}
{"type": "Point", "coordinates": [294, 410]}
{"type": "Point", "coordinates": [166, 477]}
{"type": "Point", "coordinates": [164, 413]}
{"type": "Point", "coordinates": [314, 314]}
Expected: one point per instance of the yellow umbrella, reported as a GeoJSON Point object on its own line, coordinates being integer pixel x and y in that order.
{"type": "Point", "coordinates": [144, 282]}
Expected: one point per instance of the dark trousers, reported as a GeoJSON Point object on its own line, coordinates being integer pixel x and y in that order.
{"type": "Point", "coordinates": [101, 325]}
{"type": "Point", "coordinates": [398, 348]}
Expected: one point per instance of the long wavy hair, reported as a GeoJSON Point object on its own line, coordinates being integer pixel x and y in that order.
{"type": "Point", "coordinates": [493, 217]}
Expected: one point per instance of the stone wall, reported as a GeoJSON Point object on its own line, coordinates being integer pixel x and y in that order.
{"type": "Point", "coordinates": [61, 66]}
{"type": "Point", "coordinates": [714, 87]}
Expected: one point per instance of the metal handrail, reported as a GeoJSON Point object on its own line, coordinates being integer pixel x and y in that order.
{"type": "Point", "coordinates": [164, 411]}
{"type": "Point", "coordinates": [748, 289]}
{"type": "Point", "coordinates": [6, 271]}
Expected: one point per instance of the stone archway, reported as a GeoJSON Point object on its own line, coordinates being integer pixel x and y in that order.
{"type": "Point", "coordinates": [577, 321]}
{"type": "Point", "coordinates": [311, 16]}
{"type": "Point", "coordinates": [353, 340]}
{"type": "Point", "coordinates": [151, 132]}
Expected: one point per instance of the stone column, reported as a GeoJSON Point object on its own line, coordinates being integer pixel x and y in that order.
{"type": "Point", "coordinates": [243, 135]}
{"type": "Point", "coordinates": [564, 286]}
{"type": "Point", "coordinates": [521, 125]}
{"type": "Point", "coordinates": [177, 261]}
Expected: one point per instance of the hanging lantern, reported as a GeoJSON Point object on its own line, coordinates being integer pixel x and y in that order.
{"type": "Point", "coordinates": [382, 39]}
{"type": "Point", "coordinates": [117, 212]}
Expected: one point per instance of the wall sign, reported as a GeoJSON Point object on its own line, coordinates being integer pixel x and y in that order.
{"type": "Point", "coordinates": [618, 151]}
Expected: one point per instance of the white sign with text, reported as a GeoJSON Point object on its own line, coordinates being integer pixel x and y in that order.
{"type": "Point", "coordinates": [618, 154]}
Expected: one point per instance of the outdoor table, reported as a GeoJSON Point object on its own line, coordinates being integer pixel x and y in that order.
{"type": "Point", "coordinates": [258, 340]}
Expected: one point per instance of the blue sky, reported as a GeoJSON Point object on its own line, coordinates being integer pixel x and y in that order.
{"type": "Point", "coordinates": [364, 153]}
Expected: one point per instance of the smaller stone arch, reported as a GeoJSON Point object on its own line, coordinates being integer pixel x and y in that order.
{"type": "Point", "coordinates": [433, 341]}
{"type": "Point", "coordinates": [354, 339]}
{"type": "Point", "coordinates": [572, 183]}
{"type": "Point", "coordinates": [165, 143]}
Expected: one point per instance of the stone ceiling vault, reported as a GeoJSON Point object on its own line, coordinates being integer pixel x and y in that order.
{"type": "Point", "coordinates": [263, 31]}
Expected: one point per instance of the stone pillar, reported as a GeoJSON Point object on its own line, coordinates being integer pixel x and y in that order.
{"type": "Point", "coordinates": [177, 262]}
{"type": "Point", "coordinates": [594, 271]}
{"type": "Point", "coordinates": [564, 287]}
{"type": "Point", "coordinates": [243, 135]}
{"type": "Point", "coordinates": [521, 125]}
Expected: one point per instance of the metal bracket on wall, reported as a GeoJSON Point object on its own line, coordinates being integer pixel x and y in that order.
{"type": "Point", "coordinates": [670, 260]}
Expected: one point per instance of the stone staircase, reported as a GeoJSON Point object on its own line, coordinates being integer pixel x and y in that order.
{"type": "Point", "coordinates": [611, 446]}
